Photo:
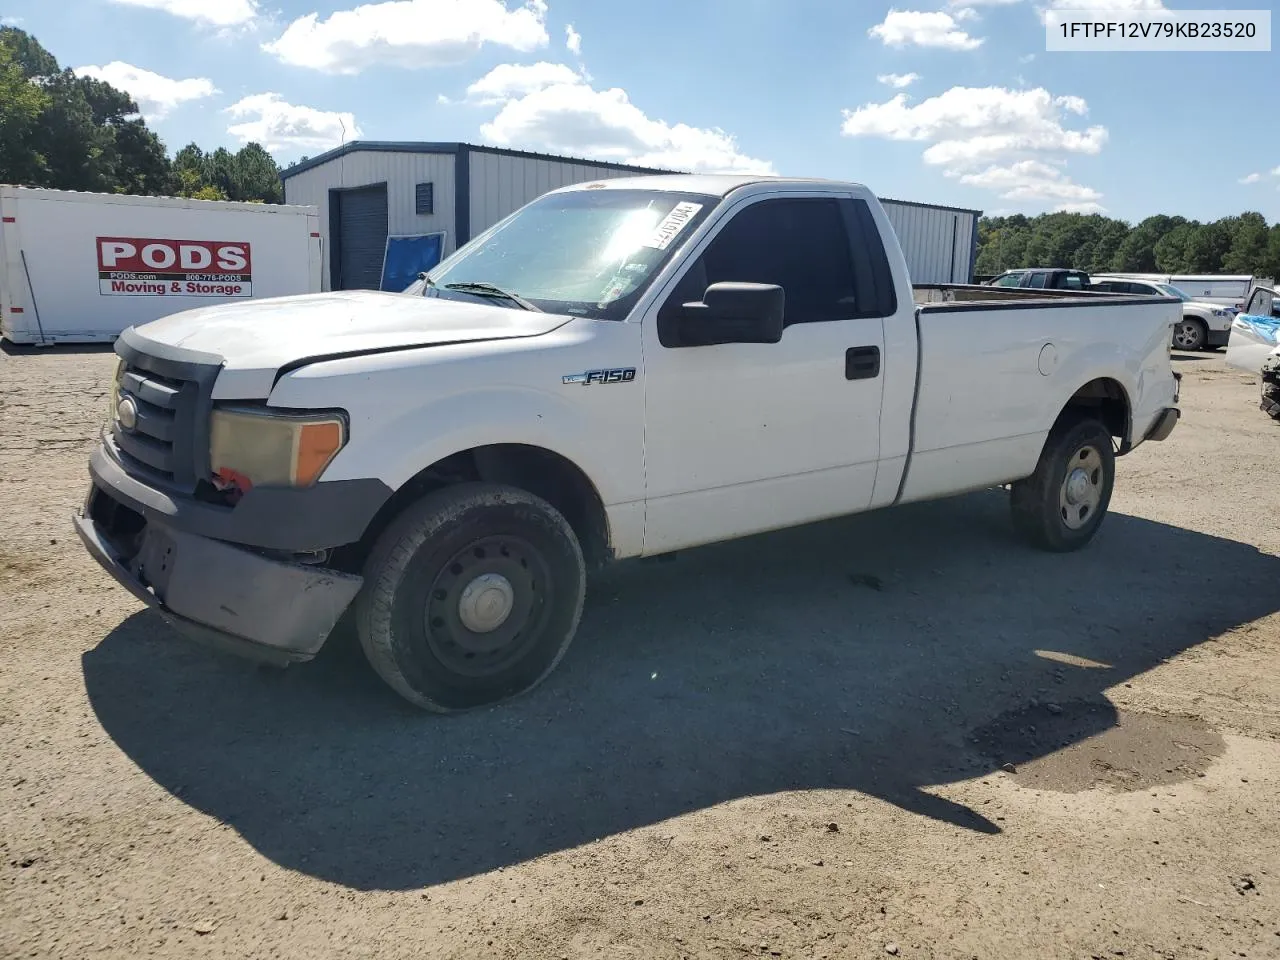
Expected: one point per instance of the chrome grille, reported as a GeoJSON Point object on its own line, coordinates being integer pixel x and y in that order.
{"type": "Point", "coordinates": [168, 445]}
{"type": "Point", "coordinates": [149, 447]}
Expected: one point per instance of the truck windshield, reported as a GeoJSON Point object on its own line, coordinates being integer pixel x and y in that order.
{"type": "Point", "coordinates": [585, 252]}
{"type": "Point", "coordinates": [1171, 291]}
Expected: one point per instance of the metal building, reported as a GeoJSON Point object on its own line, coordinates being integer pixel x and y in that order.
{"type": "Point", "coordinates": [389, 209]}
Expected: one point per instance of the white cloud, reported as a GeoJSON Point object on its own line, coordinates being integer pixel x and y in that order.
{"type": "Point", "coordinates": [898, 80]}
{"type": "Point", "coordinates": [508, 81]}
{"type": "Point", "coordinates": [550, 107]}
{"type": "Point", "coordinates": [10, 21]}
{"type": "Point", "coordinates": [1275, 171]}
{"type": "Point", "coordinates": [1113, 6]}
{"type": "Point", "coordinates": [925, 29]}
{"type": "Point", "coordinates": [991, 137]}
{"type": "Point", "coordinates": [573, 40]}
{"type": "Point", "coordinates": [1026, 58]}
{"type": "Point", "coordinates": [1103, 6]}
{"type": "Point", "coordinates": [278, 125]}
{"type": "Point", "coordinates": [1251, 178]}
{"type": "Point", "coordinates": [217, 13]}
{"type": "Point", "coordinates": [409, 33]}
{"type": "Point", "coordinates": [976, 124]}
{"type": "Point", "coordinates": [1029, 180]}
{"type": "Point", "coordinates": [156, 95]}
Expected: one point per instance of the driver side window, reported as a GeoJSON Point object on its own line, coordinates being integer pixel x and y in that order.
{"type": "Point", "coordinates": [800, 244]}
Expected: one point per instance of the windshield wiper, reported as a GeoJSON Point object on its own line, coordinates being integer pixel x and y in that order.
{"type": "Point", "coordinates": [482, 289]}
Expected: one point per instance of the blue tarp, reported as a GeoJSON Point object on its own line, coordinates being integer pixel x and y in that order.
{"type": "Point", "coordinates": [407, 257]}
{"type": "Point", "coordinates": [1263, 329]}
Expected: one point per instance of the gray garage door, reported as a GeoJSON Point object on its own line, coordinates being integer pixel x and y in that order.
{"type": "Point", "coordinates": [362, 237]}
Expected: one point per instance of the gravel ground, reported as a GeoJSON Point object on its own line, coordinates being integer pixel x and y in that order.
{"type": "Point", "coordinates": [897, 734]}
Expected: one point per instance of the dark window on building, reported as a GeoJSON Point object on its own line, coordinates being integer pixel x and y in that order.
{"type": "Point", "coordinates": [424, 198]}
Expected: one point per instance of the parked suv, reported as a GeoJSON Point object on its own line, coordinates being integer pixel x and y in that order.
{"type": "Point", "coordinates": [1203, 326]}
{"type": "Point", "coordinates": [1048, 278]}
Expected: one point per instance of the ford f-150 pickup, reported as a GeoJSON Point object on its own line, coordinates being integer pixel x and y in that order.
{"type": "Point", "coordinates": [618, 369]}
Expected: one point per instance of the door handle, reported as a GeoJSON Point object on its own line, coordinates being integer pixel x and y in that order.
{"type": "Point", "coordinates": [862, 363]}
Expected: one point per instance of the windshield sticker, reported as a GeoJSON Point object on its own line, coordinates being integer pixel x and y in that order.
{"type": "Point", "coordinates": [672, 224]}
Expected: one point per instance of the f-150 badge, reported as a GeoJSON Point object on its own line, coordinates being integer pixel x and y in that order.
{"type": "Point", "coordinates": [617, 375]}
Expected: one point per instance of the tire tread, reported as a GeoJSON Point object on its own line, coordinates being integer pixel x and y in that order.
{"type": "Point", "coordinates": [394, 551]}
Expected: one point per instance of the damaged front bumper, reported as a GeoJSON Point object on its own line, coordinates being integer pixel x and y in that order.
{"type": "Point", "coordinates": [216, 593]}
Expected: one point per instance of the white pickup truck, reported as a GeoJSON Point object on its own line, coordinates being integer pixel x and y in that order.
{"type": "Point", "coordinates": [619, 369]}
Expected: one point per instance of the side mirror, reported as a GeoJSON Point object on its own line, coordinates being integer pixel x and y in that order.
{"type": "Point", "coordinates": [734, 313]}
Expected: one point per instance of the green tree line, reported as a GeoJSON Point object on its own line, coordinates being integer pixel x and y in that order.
{"type": "Point", "coordinates": [75, 133]}
{"type": "Point", "coordinates": [1159, 244]}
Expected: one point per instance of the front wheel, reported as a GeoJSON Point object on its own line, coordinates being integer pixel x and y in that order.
{"type": "Point", "coordinates": [1190, 334]}
{"type": "Point", "coordinates": [471, 596]}
{"type": "Point", "coordinates": [1062, 504]}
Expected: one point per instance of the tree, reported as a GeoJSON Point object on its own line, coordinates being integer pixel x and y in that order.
{"type": "Point", "coordinates": [1171, 254]}
{"type": "Point", "coordinates": [1159, 244]}
{"type": "Point", "coordinates": [86, 134]}
{"type": "Point", "coordinates": [1248, 253]}
{"type": "Point", "coordinates": [250, 174]}
{"type": "Point", "coordinates": [21, 105]}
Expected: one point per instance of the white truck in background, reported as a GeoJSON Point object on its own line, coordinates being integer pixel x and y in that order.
{"type": "Point", "coordinates": [619, 369]}
{"type": "Point", "coordinates": [80, 267]}
{"type": "Point", "coordinates": [1203, 326]}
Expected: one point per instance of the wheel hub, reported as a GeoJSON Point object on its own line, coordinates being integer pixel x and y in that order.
{"type": "Point", "coordinates": [1077, 486]}
{"type": "Point", "coordinates": [1081, 493]}
{"type": "Point", "coordinates": [486, 602]}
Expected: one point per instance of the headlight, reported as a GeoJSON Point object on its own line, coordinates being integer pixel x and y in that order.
{"type": "Point", "coordinates": [273, 448]}
{"type": "Point", "coordinates": [113, 397]}
{"type": "Point", "coordinates": [1221, 313]}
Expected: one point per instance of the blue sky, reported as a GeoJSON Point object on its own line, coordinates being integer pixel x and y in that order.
{"type": "Point", "coordinates": [948, 101]}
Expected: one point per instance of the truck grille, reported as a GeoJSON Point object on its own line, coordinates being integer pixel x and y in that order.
{"type": "Point", "coordinates": [169, 443]}
{"type": "Point", "coordinates": [149, 446]}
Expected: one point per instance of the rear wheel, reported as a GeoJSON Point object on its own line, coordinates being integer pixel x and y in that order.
{"type": "Point", "coordinates": [471, 596]}
{"type": "Point", "coordinates": [1190, 334]}
{"type": "Point", "coordinates": [1062, 504]}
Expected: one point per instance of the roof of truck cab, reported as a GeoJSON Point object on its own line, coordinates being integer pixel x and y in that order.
{"type": "Point", "coordinates": [708, 184]}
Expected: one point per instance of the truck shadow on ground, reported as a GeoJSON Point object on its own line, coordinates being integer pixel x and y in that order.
{"type": "Point", "coordinates": [863, 653]}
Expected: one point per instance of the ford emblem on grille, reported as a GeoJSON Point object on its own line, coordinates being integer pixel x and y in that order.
{"type": "Point", "coordinates": [127, 413]}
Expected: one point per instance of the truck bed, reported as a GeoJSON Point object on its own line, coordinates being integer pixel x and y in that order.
{"type": "Point", "coordinates": [996, 365]}
{"type": "Point", "coordinates": [977, 296]}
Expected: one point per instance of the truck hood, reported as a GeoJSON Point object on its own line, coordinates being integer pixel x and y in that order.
{"type": "Point", "coordinates": [1203, 306]}
{"type": "Point", "coordinates": [255, 338]}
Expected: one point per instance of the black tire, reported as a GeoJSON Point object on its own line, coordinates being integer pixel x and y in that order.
{"type": "Point", "coordinates": [1270, 404]}
{"type": "Point", "coordinates": [1055, 509]}
{"type": "Point", "coordinates": [1190, 333]}
{"type": "Point", "coordinates": [412, 613]}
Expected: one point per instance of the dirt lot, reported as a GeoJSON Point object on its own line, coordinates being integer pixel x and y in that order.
{"type": "Point", "coordinates": [791, 746]}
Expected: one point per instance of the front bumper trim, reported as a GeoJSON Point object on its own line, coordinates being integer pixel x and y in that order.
{"type": "Point", "coordinates": [228, 598]}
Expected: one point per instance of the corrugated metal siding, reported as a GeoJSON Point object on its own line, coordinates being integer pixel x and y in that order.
{"type": "Point", "coordinates": [936, 241]}
{"type": "Point", "coordinates": [401, 172]}
{"type": "Point", "coordinates": [500, 185]}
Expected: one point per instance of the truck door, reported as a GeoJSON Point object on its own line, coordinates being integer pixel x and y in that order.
{"type": "Point", "coordinates": [745, 437]}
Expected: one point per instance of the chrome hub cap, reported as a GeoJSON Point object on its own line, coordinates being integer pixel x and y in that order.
{"type": "Point", "coordinates": [1081, 492]}
{"type": "Point", "coordinates": [486, 602]}
{"type": "Point", "coordinates": [1186, 335]}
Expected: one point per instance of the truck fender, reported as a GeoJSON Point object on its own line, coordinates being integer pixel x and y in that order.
{"type": "Point", "coordinates": [400, 447]}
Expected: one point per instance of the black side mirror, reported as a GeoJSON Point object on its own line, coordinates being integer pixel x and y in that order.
{"type": "Point", "coordinates": [734, 313]}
